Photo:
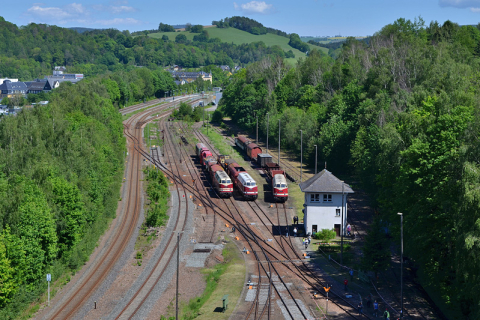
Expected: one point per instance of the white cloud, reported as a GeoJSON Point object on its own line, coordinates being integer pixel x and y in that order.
{"type": "Point", "coordinates": [476, 10]}
{"type": "Point", "coordinates": [58, 14]}
{"type": "Point", "coordinates": [254, 7]}
{"type": "Point", "coordinates": [49, 12]}
{"type": "Point", "coordinates": [118, 21]}
{"type": "Point", "coordinates": [460, 3]}
{"type": "Point", "coordinates": [120, 9]}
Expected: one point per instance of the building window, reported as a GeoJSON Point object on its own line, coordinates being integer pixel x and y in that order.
{"type": "Point", "coordinates": [327, 198]}
{"type": "Point", "coordinates": [314, 197]}
{"type": "Point", "coordinates": [337, 212]}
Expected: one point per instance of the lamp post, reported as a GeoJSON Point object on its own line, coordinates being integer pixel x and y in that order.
{"type": "Point", "coordinates": [256, 140]}
{"type": "Point", "coordinates": [315, 159]}
{"type": "Point", "coordinates": [178, 263]}
{"type": "Point", "coordinates": [279, 141]}
{"type": "Point", "coordinates": [341, 228]}
{"type": "Point", "coordinates": [301, 154]}
{"type": "Point", "coordinates": [401, 263]}
{"type": "Point", "coordinates": [268, 121]}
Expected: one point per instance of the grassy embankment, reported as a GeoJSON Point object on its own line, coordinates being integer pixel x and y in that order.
{"type": "Point", "coordinates": [236, 36]}
{"type": "Point", "coordinates": [224, 278]}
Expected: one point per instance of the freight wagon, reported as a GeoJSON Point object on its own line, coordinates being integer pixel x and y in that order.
{"type": "Point", "coordinates": [251, 149]}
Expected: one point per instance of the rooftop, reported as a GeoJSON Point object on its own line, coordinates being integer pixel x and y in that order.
{"type": "Point", "coordinates": [323, 182]}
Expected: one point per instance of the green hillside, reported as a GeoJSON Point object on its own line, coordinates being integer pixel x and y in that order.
{"type": "Point", "coordinates": [236, 36]}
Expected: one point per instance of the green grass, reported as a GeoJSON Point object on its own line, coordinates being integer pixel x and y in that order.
{"type": "Point", "coordinates": [224, 278]}
{"type": "Point", "coordinates": [128, 115]}
{"type": "Point", "coordinates": [236, 36]}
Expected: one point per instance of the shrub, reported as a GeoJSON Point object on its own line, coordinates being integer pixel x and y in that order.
{"type": "Point", "coordinates": [325, 234]}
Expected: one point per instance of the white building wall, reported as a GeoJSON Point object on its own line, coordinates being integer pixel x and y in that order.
{"type": "Point", "coordinates": [323, 213]}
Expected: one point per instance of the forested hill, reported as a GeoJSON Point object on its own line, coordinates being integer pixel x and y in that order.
{"type": "Point", "coordinates": [402, 113]}
{"type": "Point", "coordinates": [33, 50]}
{"type": "Point", "coordinates": [60, 175]}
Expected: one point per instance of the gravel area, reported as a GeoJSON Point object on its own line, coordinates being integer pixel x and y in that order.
{"type": "Point", "coordinates": [170, 270]}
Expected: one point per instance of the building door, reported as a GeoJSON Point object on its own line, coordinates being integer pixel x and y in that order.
{"type": "Point", "coordinates": [337, 229]}
{"type": "Point", "coordinates": [314, 228]}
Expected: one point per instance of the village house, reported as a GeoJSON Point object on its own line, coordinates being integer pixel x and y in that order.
{"type": "Point", "coordinates": [325, 202]}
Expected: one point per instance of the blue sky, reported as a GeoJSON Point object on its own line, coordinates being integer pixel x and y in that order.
{"type": "Point", "coordinates": [305, 17]}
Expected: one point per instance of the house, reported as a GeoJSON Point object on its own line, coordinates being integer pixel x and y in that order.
{"type": "Point", "coordinates": [11, 80]}
{"type": "Point", "coordinates": [191, 76]}
{"type": "Point", "coordinates": [180, 82]}
{"type": "Point", "coordinates": [224, 68]}
{"type": "Point", "coordinates": [8, 89]}
{"type": "Point", "coordinates": [37, 86]}
{"type": "Point", "coordinates": [325, 202]}
{"type": "Point", "coordinates": [59, 76]}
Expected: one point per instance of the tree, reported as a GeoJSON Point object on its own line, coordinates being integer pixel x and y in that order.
{"type": "Point", "coordinates": [376, 250]}
{"type": "Point", "coordinates": [165, 28]}
{"type": "Point", "coordinates": [165, 38]}
{"type": "Point", "coordinates": [181, 38]}
{"type": "Point", "coordinates": [198, 28]}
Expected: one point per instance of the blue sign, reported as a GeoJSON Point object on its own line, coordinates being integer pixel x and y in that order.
{"type": "Point", "coordinates": [49, 277]}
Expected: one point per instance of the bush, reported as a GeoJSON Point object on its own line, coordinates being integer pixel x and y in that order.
{"type": "Point", "coordinates": [217, 116]}
{"type": "Point", "coordinates": [325, 234]}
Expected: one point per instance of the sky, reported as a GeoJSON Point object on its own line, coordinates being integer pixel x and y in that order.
{"type": "Point", "coordinates": [304, 17]}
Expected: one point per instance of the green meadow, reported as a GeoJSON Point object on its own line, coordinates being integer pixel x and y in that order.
{"type": "Point", "coordinates": [236, 36]}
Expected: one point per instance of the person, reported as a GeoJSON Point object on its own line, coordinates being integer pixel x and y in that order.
{"type": "Point", "coordinates": [306, 244]}
{"type": "Point", "coordinates": [295, 231]}
{"type": "Point", "coordinates": [295, 219]}
{"type": "Point", "coordinates": [286, 231]}
{"type": "Point", "coordinates": [375, 308]}
{"type": "Point", "coordinates": [349, 229]}
{"type": "Point", "coordinates": [351, 274]}
{"type": "Point", "coordinates": [360, 308]}
{"type": "Point", "coordinates": [345, 283]}
{"type": "Point", "coordinates": [386, 314]}
{"type": "Point", "coordinates": [369, 301]}
{"type": "Point", "coordinates": [309, 238]}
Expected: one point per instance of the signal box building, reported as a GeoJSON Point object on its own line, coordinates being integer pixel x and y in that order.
{"type": "Point", "coordinates": [325, 197]}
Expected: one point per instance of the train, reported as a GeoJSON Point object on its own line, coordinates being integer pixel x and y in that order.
{"type": "Point", "coordinates": [245, 184]}
{"type": "Point", "coordinates": [220, 180]}
{"type": "Point", "coordinates": [251, 149]}
{"type": "Point", "coordinates": [204, 155]}
{"type": "Point", "coordinates": [274, 172]}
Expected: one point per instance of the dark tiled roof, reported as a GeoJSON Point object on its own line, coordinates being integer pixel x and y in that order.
{"type": "Point", "coordinates": [7, 85]}
{"type": "Point", "coordinates": [323, 182]}
{"type": "Point", "coordinates": [36, 85]}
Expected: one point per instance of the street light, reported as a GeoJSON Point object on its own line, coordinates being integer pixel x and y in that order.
{"type": "Point", "coordinates": [401, 262]}
{"type": "Point", "coordinates": [301, 154]}
{"type": "Point", "coordinates": [341, 228]}
{"type": "Point", "coordinates": [278, 141]}
{"type": "Point", "coordinates": [256, 140]}
{"type": "Point", "coordinates": [268, 121]}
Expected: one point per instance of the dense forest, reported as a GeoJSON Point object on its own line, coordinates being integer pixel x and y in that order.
{"type": "Point", "coordinates": [32, 51]}
{"type": "Point", "coordinates": [401, 114]}
{"type": "Point", "coordinates": [248, 25]}
{"type": "Point", "coordinates": [61, 171]}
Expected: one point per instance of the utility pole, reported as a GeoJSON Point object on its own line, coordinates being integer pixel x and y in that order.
{"type": "Point", "coordinates": [301, 154]}
{"type": "Point", "coordinates": [315, 159]}
{"type": "Point", "coordinates": [341, 229]}
{"type": "Point", "coordinates": [401, 264]}
{"type": "Point", "coordinates": [278, 141]}
{"type": "Point", "coordinates": [178, 262]}
{"type": "Point", "coordinates": [257, 131]}
{"type": "Point", "coordinates": [268, 121]}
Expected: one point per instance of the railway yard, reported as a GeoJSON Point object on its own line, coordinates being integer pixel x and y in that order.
{"type": "Point", "coordinates": [279, 282]}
